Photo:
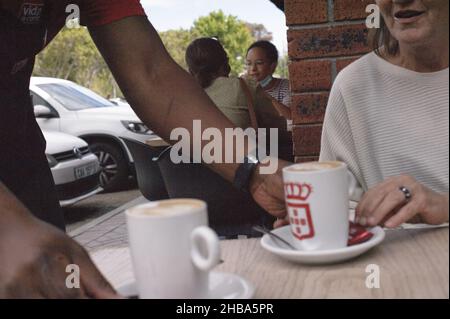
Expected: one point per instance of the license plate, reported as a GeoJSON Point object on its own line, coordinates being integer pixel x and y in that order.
{"type": "Point", "coordinates": [85, 171]}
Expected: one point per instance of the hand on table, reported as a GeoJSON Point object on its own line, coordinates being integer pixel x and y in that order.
{"type": "Point", "coordinates": [386, 204]}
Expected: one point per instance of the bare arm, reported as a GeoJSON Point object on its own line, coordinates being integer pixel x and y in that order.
{"type": "Point", "coordinates": [34, 257]}
{"type": "Point", "coordinates": [166, 97]}
{"type": "Point", "coordinates": [282, 109]}
{"type": "Point", "coordinates": [12, 210]}
{"type": "Point", "coordinates": [162, 94]}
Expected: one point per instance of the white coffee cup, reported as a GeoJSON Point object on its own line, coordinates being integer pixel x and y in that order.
{"type": "Point", "coordinates": [317, 199]}
{"type": "Point", "coordinates": [172, 248]}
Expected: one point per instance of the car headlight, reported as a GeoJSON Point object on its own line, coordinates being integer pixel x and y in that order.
{"type": "Point", "coordinates": [52, 162]}
{"type": "Point", "coordinates": [137, 127]}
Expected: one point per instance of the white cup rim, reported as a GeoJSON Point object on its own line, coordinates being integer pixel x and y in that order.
{"type": "Point", "coordinates": [288, 169]}
{"type": "Point", "coordinates": [129, 212]}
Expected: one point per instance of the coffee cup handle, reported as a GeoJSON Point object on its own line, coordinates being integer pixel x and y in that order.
{"type": "Point", "coordinates": [208, 259]}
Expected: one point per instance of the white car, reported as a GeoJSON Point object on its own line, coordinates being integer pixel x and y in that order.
{"type": "Point", "coordinates": [74, 167]}
{"type": "Point", "coordinates": [119, 102]}
{"type": "Point", "coordinates": [64, 106]}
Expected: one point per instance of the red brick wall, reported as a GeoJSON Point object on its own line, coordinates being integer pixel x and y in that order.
{"type": "Point", "coordinates": [324, 37]}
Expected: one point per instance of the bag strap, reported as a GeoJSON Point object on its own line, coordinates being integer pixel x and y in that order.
{"type": "Point", "coordinates": [251, 105]}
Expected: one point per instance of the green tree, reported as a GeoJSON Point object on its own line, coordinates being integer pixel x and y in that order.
{"type": "Point", "coordinates": [283, 67]}
{"type": "Point", "coordinates": [259, 32]}
{"type": "Point", "coordinates": [233, 33]}
{"type": "Point", "coordinates": [176, 42]}
{"type": "Point", "coordinates": [73, 56]}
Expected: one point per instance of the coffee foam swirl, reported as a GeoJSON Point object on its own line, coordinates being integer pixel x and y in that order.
{"type": "Point", "coordinates": [314, 166]}
{"type": "Point", "coordinates": [168, 208]}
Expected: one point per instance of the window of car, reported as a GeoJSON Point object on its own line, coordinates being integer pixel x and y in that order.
{"type": "Point", "coordinates": [38, 100]}
{"type": "Point", "coordinates": [74, 97]}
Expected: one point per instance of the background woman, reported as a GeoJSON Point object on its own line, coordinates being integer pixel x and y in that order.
{"type": "Point", "coordinates": [209, 65]}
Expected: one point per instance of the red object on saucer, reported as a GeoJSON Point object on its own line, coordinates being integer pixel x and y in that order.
{"type": "Point", "coordinates": [358, 234]}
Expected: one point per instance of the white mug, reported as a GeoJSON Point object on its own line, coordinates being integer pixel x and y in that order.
{"type": "Point", "coordinates": [172, 248]}
{"type": "Point", "coordinates": [317, 199]}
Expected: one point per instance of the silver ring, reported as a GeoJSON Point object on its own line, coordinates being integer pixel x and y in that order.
{"type": "Point", "coordinates": [406, 192]}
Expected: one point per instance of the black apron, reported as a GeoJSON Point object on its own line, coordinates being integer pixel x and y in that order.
{"type": "Point", "coordinates": [23, 166]}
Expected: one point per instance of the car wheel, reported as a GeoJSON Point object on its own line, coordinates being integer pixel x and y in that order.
{"type": "Point", "coordinates": [114, 166]}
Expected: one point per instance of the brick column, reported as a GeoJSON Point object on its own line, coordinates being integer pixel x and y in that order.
{"type": "Point", "coordinates": [324, 36]}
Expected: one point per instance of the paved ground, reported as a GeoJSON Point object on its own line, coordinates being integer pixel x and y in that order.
{"type": "Point", "coordinates": [106, 231]}
{"type": "Point", "coordinates": [94, 207]}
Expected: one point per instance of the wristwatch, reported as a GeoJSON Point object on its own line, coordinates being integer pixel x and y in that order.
{"type": "Point", "coordinates": [244, 173]}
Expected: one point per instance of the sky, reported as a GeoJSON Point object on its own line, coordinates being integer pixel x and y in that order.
{"type": "Point", "coordinates": [175, 14]}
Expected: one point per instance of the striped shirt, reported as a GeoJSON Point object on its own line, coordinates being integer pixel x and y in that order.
{"type": "Point", "coordinates": [281, 92]}
{"type": "Point", "coordinates": [384, 120]}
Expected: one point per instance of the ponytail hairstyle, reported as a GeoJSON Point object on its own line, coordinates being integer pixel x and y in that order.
{"type": "Point", "coordinates": [207, 60]}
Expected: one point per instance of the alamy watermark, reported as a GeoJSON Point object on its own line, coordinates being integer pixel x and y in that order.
{"type": "Point", "coordinates": [234, 147]}
{"type": "Point", "coordinates": [73, 279]}
{"type": "Point", "coordinates": [374, 277]}
{"type": "Point", "coordinates": [73, 18]}
{"type": "Point", "coordinates": [374, 17]}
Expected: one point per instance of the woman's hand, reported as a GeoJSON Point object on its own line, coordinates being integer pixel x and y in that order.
{"type": "Point", "coordinates": [386, 204]}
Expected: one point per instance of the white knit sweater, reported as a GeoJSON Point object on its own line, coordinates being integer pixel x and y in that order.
{"type": "Point", "coordinates": [384, 120]}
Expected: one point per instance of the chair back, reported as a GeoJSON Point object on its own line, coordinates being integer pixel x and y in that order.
{"type": "Point", "coordinates": [150, 182]}
{"type": "Point", "coordinates": [231, 212]}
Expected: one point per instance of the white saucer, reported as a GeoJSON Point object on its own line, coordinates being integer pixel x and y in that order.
{"type": "Point", "coordinates": [322, 256]}
{"type": "Point", "coordinates": [221, 286]}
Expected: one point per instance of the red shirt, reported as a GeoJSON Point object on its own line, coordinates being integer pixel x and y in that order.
{"type": "Point", "coordinates": [102, 12]}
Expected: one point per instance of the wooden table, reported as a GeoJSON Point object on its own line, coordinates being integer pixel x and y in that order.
{"type": "Point", "coordinates": [413, 264]}
{"type": "Point", "coordinates": [157, 142]}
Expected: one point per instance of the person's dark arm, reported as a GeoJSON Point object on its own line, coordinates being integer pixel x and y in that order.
{"type": "Point", "coordinates": [11, 209]}
{"type": "Point", "coordinates": [34, 257]}
{"type": "Point", "coordinates": [162, 94]}
{"type": "Point", "coordinates": [166, 97]}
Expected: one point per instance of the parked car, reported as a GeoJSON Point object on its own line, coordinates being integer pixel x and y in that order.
{"type": "Point", "coordinates": [67, 107]}
{"type": "Point", "coordinates": [74, 167]}
{"type": "Point", "coordinates": [119, 102]}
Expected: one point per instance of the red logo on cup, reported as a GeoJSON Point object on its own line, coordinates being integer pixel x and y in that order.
{"type": "Point", "coordinates": [297, 191]}
{"type": "Point", "coordinates": [299, 210]}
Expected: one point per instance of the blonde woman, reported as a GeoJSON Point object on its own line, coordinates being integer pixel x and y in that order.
{"type": "Point", "coordinates": [388, 117]}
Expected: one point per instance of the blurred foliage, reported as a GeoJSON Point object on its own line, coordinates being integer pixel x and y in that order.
{"type": "Point", "coordinates": [234, 35]}
{"type": "Point", "coordinates": [283, 67]}
{"type": "Point", "coordinates": [259, 32]}
{"type": "Point", "coordinates": [176, 42]}
{"type": "Point", "coordinates": [72, 55]}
